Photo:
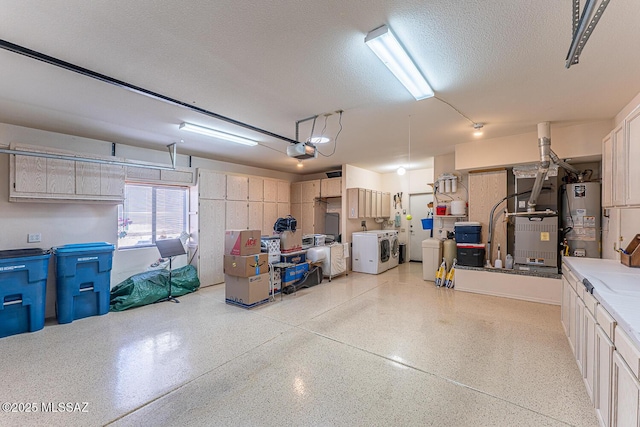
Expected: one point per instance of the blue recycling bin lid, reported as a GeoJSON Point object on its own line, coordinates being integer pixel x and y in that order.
{"type": "Point", "coordinates": [76, 248]}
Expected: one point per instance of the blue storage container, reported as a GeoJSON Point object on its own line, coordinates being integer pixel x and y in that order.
{"type": "Point", "coordinates": [468, 232]}
{"type": "Point", "coordinates": [83, 273]}
{"type": "Point", "coordinates": [23, 285]}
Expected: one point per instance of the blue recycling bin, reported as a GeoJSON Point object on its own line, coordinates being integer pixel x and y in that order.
{"type": "Point", "coordinates": [23, 285]}
{"type": "Point", "coordinates": [83, 280]}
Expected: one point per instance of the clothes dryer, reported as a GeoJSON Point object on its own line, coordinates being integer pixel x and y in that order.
{"type": "Point", "coordinates": [394, 245]}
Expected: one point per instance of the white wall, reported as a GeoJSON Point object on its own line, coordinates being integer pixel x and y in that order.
{"type": "Point", "coordinates": [64, 223]}
{"type": "Point", "coordinates": [579, 141]}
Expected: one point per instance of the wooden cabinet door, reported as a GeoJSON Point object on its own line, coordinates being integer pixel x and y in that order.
{"type": "Point", "coordinates": [31, 174]}
{"type": "Point", "coordinates": [255, 216]}
{"type": "Point", "coordinates": [577, 330]}
{"type": "Point", "coordinates": [602, 376]}
{"type": "Point", "coordinates": [352, 201]}
{"type": "Point", "coordinates": [310, 191]}
{"type": "Point", "coordinates": [212, 185]}
{"type": "Point", "coordinates": [237, 188]}
{"type": "Point", "coordinates": [284, 190]}
{"type": "Point", "coordinates": [88, 178]}
{"type": "Point", "coordinates": [607, 171]}
{"type": "Point", "coordinates": [211, 228]}
{"type": "Point", "coordinates": [619, 166]}
{"type": "Point", "coordinates": [61, 176]}
{"type": "Point", "coordinates": [588, 351]}
{"type": "Point", "coordinates": [111, 180]}
{"type": "Point", "coordinates": [573, 299]}
{"type": "Point", "coordinates": [386, 205]}
{"type": "Point", "coordinates": [625, 398]}
{"type": "Point", "coordinates": [283, 210]}
{"type": "Point", "coordinates": [306, 218]}
{"type": "Point", "coordinates": [331, 187]}
{"type": "Point", "coordinates": [296, 212]}
{"type": "Point", "coordinates": [237, 215]}
{"type": "Point", "coordinates": [374, 204]}
{"type": "Point", "coordinates": [269, 217]}
{"type": "Point", "coordinates": [633, 157]}
{"type": "Point", "coordinates": [256, 189]}
{"type": "Point", "coordinates": [367, 203]}
{"type": "Point", "coordinates": [566, 306]}
{"type": "Point", "coordinates": [270, 190]}
{"type": "Point", "coordinates": [296, 192]}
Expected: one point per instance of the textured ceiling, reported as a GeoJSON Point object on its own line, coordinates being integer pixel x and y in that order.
{"type": "Point", "coordinates": [271, 63]}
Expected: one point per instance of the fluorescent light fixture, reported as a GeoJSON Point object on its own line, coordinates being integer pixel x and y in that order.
{"type": "Point", "coordinates": [217, 134]}
{"type": "Point", "coordinates": [319, 140]}
{"type": "Point", "coordinates": [385, 45]}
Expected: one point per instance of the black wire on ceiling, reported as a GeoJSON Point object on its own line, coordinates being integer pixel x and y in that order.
{"type": "Point", "coordinates": [21, 50]}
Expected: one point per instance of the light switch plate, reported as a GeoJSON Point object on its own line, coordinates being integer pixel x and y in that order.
{"type": "Point", "coordinates": [34, 238]}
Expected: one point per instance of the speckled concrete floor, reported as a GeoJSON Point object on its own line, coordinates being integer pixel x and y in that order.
{"type": "Point", "coordinates": [362, 350]}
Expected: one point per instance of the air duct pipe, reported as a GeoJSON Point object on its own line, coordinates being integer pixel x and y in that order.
{"type": "Point", "coordinates": [544, 144]}
{"type": "Point", "coordinates": [562, 163]}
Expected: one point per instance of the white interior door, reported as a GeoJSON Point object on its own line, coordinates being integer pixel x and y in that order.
{"type": "Point", "coordinates": [418, 209]}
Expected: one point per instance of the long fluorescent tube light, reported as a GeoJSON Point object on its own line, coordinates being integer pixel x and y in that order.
{"type": "Point", "coordinates": [217, 134]}
{"type": "Point", "coordinates": [385, 45]}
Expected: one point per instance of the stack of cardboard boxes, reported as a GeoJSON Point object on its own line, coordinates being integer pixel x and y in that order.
{"type": "Point", "coordinates": [246, 270]}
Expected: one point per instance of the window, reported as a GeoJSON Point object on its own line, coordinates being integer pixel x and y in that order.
{"type": "Point", "coordinates": [151, 213]}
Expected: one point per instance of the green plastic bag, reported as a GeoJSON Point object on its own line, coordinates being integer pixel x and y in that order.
{"type": "Point", "coordinates": [152, 286]}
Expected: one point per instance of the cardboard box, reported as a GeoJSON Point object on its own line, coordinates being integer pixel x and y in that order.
{"type": "Point", "coordinates": [290, 241]}
{"type": "Point", "coordinates": [242, 242]}
{"type": "Point", "coordinates": [246, 266]}
{"type": "Point", "coordinates": [296, 258]}
{"type": "Point", "coordinates": [247, 291]}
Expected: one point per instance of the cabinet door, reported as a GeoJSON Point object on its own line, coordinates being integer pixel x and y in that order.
{"type": "Point", "coordinates": [633, 157]}
{"type": "Point", "coordinates": [111, 180]}
{"type": "Point", "coordinates": [256, 189]}
{"type": "Point", "coordinates": [255, 216]}
{"type": "Point", "coordinates": [283, 210]}
{"type": "Point", "coordinates": [306, 218]}
{"type": "Point", "coordinates": [607, 171]}
{"type": "Point", "coordinates": [577, 330]}
{"type": "Point", "coordinates": [602, 384]}
{"type": "Point", "coordinates": [625, 398]}
{"type": "Point", "coordinates": [31, 174]}
{"type": "Point", "coordinates": [296, 192]}
{"type": "Point", "coordinates": [362, 203]}
{"type": "Point", "coordinates": [352, 200]}
{"type": "Point", "coordinates": [319, 211]}
{"type": "Point", "coordinates": [588, 351]}
{"type": "Point", "coordinates": [270, 190]}
{"type": "Point", "coordinates": [619, 166]}
{"type": "Point", "coordinates": [212, 185]}
{"type": "Point", "coordinates": [367, 203]}
{"type": "Point", "coordinates": [296, 212]}
{"type": "Point", "coordinates": [269, 218]}
{"type": "Point", "coordinates": [237, 214]}
{"type": "Point", "coordinates": [566, 306]}
{"type": "Point", "coordinates": [211, 241]}
{"type": "Point", "coordinates": [374, 204]}
{"type": "Point", "coordinates": [284, 190]}
{"type": "Point", "coordinates": [237, 187]}
{"type": "Point", "coordinates": [310, 191]}
{"type": "Point", "coordinates": [331, 187]}
{"type": "Point", "coordinates": [88, 178]}
{"type": "Point", "coordinates": [386, 205]}
{"type": "Point", "coordinates": [61, 176]}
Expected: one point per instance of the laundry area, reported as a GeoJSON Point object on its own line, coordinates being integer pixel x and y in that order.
{"type": "Point", "coordinates": [421, 213]}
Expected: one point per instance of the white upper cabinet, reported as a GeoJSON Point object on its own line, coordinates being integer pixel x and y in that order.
{"type": "Point", "coordinates": [607, 171]}
{"type": "Point", "coordinates": [212, 185]}
{"type": "Point", "coordinates": [632, 134]}
{"type": "Point", "coordinates": [237, 187]}
{"type": "Point", "coordinates": [619, 165]}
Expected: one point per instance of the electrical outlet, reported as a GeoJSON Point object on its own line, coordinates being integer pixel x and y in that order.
{"type": "Point", "coordinates": [521, 204]}
{"type": "Point", "coordinates": [34, 238]}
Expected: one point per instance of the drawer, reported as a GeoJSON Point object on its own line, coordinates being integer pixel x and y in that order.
{"type": "Point", "coordinates": [605, 320]}
{"type": "Point", "coordinates": [573, 280]}
{"type": "Point", "coordinates": [627, 350]}
{"type": "Point", "coordinates": [589, 301]}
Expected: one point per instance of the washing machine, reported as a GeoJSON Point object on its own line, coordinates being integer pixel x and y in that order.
{"type": "Point", "coordinates": [394, 245]}
{"type": "Point", "coordinates": [371, 251]}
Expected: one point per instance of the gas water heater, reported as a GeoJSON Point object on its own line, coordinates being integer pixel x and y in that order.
{"type": "Point", "coordinates": [581, 218]}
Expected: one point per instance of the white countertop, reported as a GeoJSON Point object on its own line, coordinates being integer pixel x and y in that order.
{"type": "Point", "coordinates": [615, 286]}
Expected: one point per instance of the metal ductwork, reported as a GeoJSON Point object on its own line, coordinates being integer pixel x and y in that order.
{"type": "Point", "coordinates": [544, 144]}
